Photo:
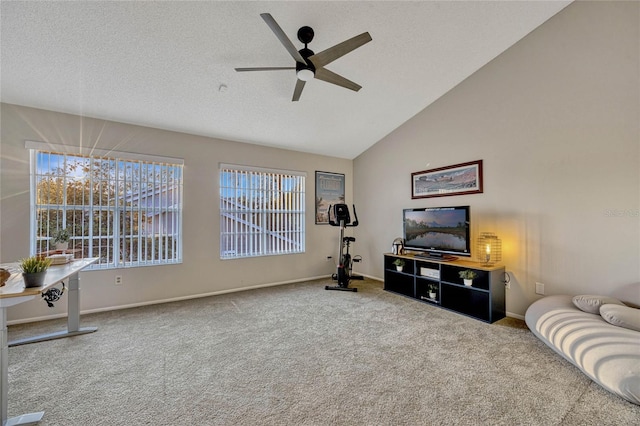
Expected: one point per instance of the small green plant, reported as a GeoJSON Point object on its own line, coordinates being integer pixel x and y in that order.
{"type": "Point", "coordinates": [467, 274]}
{"type": "Point", "coordinates": [34, 264]}
{"type": "Point", "coordinates": [433, 288]}
{"type": "Point", "coordinates": [60, 236]}
{"type": "Point", "coordinates": [399, 262]}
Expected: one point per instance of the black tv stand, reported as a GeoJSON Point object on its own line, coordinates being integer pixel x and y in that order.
{"type": "Point", "coordinates": [438, 282]}
{"type": "Point", "coordinates": [435, 256]}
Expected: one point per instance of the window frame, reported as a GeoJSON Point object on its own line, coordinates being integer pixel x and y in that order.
{"type": "Point", "coordinates": [121, 234]}
{"type": "Point", "coordinates": [270, 239]}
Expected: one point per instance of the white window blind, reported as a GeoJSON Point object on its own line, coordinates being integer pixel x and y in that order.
{"type": "Point", "coordinates": [125, 211]}
{"type": "Point", "coordinates": [262, 212]}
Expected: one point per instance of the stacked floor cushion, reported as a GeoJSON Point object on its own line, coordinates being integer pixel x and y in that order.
{"type": "Point", "coordinates": [595, 333]}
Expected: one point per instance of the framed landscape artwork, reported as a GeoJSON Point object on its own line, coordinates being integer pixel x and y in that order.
{"type": "Point", "coordinates": [329, 191]}
{"type": "Point", "coordinates": [458, 179]}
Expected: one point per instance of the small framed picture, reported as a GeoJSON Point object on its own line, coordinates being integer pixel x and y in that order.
{"type": "Point", "coordinates": [329, 191]}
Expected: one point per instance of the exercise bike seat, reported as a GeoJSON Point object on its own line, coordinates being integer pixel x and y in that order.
{"type": "Point", "coordinates": [350, 239]}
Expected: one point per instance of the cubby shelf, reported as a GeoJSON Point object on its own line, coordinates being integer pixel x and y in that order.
{"type": "Point", "coordinates": [483, 300]}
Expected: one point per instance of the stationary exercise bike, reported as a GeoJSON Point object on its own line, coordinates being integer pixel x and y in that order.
{"type": "Point", "coordinates": [339, 216]}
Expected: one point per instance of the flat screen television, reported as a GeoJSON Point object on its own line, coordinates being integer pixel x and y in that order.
{"type": "Point", "coordinates": [437, 232]}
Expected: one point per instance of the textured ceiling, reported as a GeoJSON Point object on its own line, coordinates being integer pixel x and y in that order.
{"type": "Point", "coordinates": [161, 64]}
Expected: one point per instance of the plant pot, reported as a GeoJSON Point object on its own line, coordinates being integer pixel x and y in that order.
{"type": "Point", "coordinates": [432, 296]}
{"type": "Point", "coordinates": [62, 246]}
{"type": "Point", "coordinates": [399, 268]}
{"type": "Point", "coordinates": [468, 282]}
{"type": "Point", "coordinates": [35, 279]}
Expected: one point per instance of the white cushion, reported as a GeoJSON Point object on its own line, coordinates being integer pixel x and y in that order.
{"type": "Point", "coordinates": [591, 303]}
{"type": "Point", "coordinates": [622, 316]}
{"type": "Point", "coordinates": [605, 353]}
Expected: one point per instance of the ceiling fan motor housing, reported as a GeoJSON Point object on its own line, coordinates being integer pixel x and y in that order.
{"type": "Point", "coordinates": [305, 68]}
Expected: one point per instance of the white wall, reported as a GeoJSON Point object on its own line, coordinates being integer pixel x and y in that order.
{"type": "Point", "coordinates": [202, 271]}
{"type": "Point", "coordinates": [556, 121]}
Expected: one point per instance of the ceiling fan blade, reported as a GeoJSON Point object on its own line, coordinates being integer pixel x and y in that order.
{"type": "Point", "coordinates": [282, 37]}
{"type": "Point", "coordinates": [265, 69]}
{"type": "Point", "coordinates": [298, 90]}
{"type": "Point", "coordinates": [333, 78]}
{"type": "Point", "coordinates": [331, 54]}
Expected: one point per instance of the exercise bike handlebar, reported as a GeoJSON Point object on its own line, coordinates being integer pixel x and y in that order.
{"type": "Point", "coordinates": [353, 224]}
{"type": "Point", "coordinates": [355, 215]}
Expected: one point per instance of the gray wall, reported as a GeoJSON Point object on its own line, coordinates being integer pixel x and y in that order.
{"type": "Point", "coordinates": [202, 271]}
{"type": "Point", "coordinates": [556, 120]}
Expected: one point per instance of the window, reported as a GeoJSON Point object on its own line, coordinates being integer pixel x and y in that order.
{"type": "Point", "coordinates": [261, 212]}
{"type": "Point", "coordinates": [127, 212]}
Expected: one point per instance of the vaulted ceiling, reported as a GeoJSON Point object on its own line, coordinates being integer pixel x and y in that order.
{"type": "Point", "coordinates": [170, 65]}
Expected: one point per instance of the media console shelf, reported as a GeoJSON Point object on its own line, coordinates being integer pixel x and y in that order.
{"type": "Point", "coordinates": [484, 300]}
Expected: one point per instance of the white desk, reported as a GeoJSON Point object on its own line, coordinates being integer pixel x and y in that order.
{"type": "Point", "coordinates": [14, 293]}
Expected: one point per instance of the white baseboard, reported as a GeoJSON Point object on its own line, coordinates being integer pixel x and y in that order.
{"type": "Point", "coordinates": [196, 296]}
{"type": "Point", "coordinates": [157, 302]}
{"type": "Point", "coordinates": [517, 316]}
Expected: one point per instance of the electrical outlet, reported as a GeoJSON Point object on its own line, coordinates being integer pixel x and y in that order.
{"type": "Point", "coordinates": [118, 279]}
{"type": "Point", "coordinates": [539, 288]}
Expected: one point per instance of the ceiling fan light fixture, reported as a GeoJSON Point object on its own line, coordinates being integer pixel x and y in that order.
{"type": "Point", "coordinates": [305, 74]}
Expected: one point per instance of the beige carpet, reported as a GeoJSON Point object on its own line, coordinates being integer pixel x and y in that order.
{"type": "Point", "coordinates": [300, 355]}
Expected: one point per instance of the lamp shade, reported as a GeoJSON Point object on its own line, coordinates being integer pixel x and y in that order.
{"type": "Point", "coordinates": [489, 249]}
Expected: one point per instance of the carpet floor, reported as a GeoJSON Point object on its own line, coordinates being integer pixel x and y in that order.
{"type": "Point", "coordinates": [299, 355]}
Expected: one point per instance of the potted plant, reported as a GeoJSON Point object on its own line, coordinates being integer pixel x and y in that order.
{"type": "Point", "coordinates": [61, 239]}
{"type": "Point", "coordinates": [433, 291]}
{"type": "Point", "coordinates": [467, 276]}
{"type": "Point", "coordinates": [399, 264]}
{"type": "Point", "coordinates": [34, 269]}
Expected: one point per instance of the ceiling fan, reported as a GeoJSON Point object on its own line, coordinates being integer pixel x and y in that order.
{"type": "Point", "coordinates": [308, 64]}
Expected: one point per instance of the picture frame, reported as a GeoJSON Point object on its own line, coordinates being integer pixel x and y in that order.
{"type": "Point", "coordinates": [457, 179]}
{"type": "Point", "coordinates": [329, 191]}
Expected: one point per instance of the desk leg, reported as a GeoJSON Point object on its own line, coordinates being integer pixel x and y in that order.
{"type": "Point", "coordinates": [25, 419]}
{"type": "Point", "coordinates": [73, 317]}
{"type": "Point", "coordinates": [73, 304]}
